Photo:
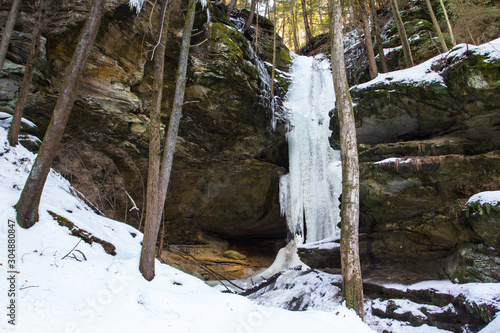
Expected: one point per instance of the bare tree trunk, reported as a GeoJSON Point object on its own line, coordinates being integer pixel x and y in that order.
{"type": "Point", "coordinates": [15, 125]}
{"type": "Point", "coordinates": [250, 17]}
{"type": "Point", "coordinates": [175, 117]}
{"type": "Point", "coordinates": [402, 34]}
{"type": "Point", "coordinates": [296, 43]}
{"type": "Point", "coordinates": [448, 24]}
{"type": "Point", "coordinates": [444, 47]}
{"type": "Point", "coordinates": [376, 30]}
{"type": "Point", "coordinates": [306, 22]}
{"type": "Point", "coordinates": [320, 13]}
{"type": "Point", "coordinates": [266, 10]}
{"type": "Point", "coordinates": [274, 57]}
{"type": "Point", "coordinates": [27, 207]}
{"type": "Point", "coordinates": [7, 32]}
{"type": "Point", "coordinates": [256, 35]}
{"type": "Point", "coordinates": [231, 7]}
{"type": "Point", "coordinates": [372, 64]}
{"type": "Point", "coordinates": [460, 13]}
{"type": "Point", "coordinates": [284, 18]}
{"type": "Point", "coordinates": [349, 246]}
{"type": "Point", "coordinates": [146, 264]}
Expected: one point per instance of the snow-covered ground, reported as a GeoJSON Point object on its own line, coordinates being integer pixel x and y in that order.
{"type": "Point", "coordinates": [96, 292]}
{"type": "Point", "coordinates": [104, 293]}
{"type": "Point", "coordinates": [92, 291]}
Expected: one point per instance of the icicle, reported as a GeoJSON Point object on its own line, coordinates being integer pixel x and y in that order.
{"type": "Point", "coordinates": [136, 5]}
{"type": "Point", "coordinates": [309, 193]}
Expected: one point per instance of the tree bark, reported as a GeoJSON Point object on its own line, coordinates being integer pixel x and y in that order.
{"type": "Point", "coordinates": [9, 28]}
{"type": "Point", "coordinates": [376, 30]}
{"type": "Point", "coordinates": [27, 207]}
{"type": "Point", "coordinates": [175, 117]}
{"type": "Point", "coordinates": [250, 17]}
{"type": "Point", "coordinates": [402, 34]}
{"type": "Point", "coordinates": [284, 16]}
{"type": "Point", "coordinates": [306, 21]}
{"type": "Point", "coordinates": [448, 24]}
{"type": "Point", "coordinates": [435, 22]}
{"type": "Point", "coordinates": [349, 245]}
{"type": "Point", "coordinates": [274, 59]}
{"type": "Point", "coordinates": [15, 125]}
{"type": "Point", "coordinates": [296, 43]}
{"type": "Point", "coordinates": [146, 264]}
{"type": "Point", "coordinates": [231, 7]}
{"type": "Point", "coordinates": [372, 64]}
{"type": "Point", "coordinates": [256, 35]}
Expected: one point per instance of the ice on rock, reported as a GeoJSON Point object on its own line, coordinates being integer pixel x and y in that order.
{"type": "Point", "coordinates": [309, 192]}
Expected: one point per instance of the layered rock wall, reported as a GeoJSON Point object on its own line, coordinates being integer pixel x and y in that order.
{"type": "Point", "coordinates": [225, 174]}
{"type": "Point", "coordinates": [425, 148]}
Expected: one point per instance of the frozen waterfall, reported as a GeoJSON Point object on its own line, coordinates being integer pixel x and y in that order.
{"type": "Point", "coordinates": [309, 192]}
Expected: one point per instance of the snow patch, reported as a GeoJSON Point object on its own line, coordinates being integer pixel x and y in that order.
{"type": "Point", "coordinates": [424, 72]}
{"type": "Point", "coordinates": [488, 197]}
{"type": "Point", "coordinates": [107, 293]}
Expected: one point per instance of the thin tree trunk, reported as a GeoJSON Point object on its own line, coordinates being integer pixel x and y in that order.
{"type": "Point", "coordinates": [175, 117]}
{"type": "Point", "coordinates": [7, 33]}
{"type": "Point", "coordinates": [27, 207]}
{"type": "Point", "coordinates": [274, 58]}
{"type": "Point", "coordinates": [444, 47]}
{"type": "Point", "coordinates": [372, 64]}
{"type": "Point", "coordinates": [15, 125]}
{"type": "Point", "coordinates": [460, 13]}
{"type": "Point", "coordinates": [402, 34]}
{"type": "Point", "coordinates": [376, 30]}
{"type": "Point", "coordinates": [256, 35]}
{"type": "Point", "coordinates": [296, 43]}
{"type": "Point", "coordinates": [283, 27]}
{"type": "Point", "coordinates": [250, 17]}
{"type": "Point", "coordinates": [349, 246]}
{"type": "Point", "coordinates": [448, 24]}
{"type": "Point", "coordinates": [306, 22]}
{"type": "Point", "coordinates": [146, 264]}
{"type": "Point", "coordinates": [231, 7]}
{"type": "Point", "coordinates": [284, 18]}
{"type": "Point", "coordinates": [320, 13]}
{"type": "Point", "coordinates": [266, 10]}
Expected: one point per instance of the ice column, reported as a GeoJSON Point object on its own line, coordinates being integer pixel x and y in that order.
{"type": "Point", "coordinates": [309, 192]}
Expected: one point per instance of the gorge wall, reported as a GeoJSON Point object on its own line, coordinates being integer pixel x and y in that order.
{"type": "Point", "coordinates": [227, 160]}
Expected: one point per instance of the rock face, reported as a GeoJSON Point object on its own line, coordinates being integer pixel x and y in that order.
{"type": "Point", "coordinates": [226, 169]}
{"type": "Point", "coordinates": [425, 149]}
